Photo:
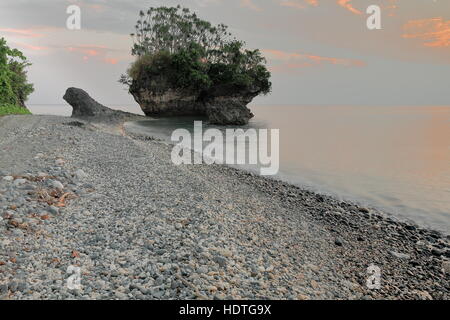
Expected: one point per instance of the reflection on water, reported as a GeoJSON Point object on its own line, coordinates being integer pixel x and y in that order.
{"type": "Point", "coordinates": [395, 158]}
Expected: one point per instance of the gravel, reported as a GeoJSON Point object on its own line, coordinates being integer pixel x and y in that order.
{"type": "Point", "coordinates": [138, 227]}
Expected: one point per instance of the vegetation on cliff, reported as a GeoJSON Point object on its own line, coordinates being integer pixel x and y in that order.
{"type": "Point", "coordinates": [192, 54]}
{"type": "Point", "coordinates": [14, 87]}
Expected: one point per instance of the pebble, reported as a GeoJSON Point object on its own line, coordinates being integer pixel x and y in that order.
{"type": "Point", "coordinates": [400, 255]}
{"type": "Point", "coordinates": [19, 182]}
{"type": "Point", "coordinates": [80, 174]}
{"type": "Point", "coordinates": [221, 261]}
{"type": "Point", "coordinates": [57, 185]}
{"type": "Point", "coordinates": [53, 210]}
{"type": "Point", "coordinates": [202, 269]}
{"type": "Point", "coordinates": [446, 266]}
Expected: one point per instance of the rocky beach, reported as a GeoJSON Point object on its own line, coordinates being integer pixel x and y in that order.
{"type": "Point", "coordinates": [88, 194]}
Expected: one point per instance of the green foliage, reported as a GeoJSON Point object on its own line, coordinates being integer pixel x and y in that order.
{"type": "Point", "coordinates": [7, 109]}
{"type": "Point", "coordinates": [173, 29]}
{"type": "Point", "coordinates": [191, 72]}
{"type": "Point", "coordinates": [14, 88]}
{"type": "Point", "coordinates": [192, 53]}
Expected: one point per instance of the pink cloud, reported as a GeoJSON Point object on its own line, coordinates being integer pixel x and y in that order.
{"type": "Point", "coordinates": [100, 53]}
{"type": "Point", "coordinates": [291, 61]}
{"type": "Point", "coordinates": [292, 4]}
{"type": "Point", "coordinates": [28, 33]}
{"type": "Point", "coordinates": [111, 60]}
{"type": "Point", "coordinates": [314, 3]}
{"type": "Point", "coordinates": [31, 47]}
{"type": "Point", "coordinates": [299, 4]}
{"type": "Point", "coordinates": [250, 5]}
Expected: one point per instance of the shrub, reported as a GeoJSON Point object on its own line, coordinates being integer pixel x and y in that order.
{"type": "Point", "coordinates": [14, 88]}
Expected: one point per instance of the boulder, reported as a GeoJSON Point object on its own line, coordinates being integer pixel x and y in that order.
{"type": "Point", "coordinates": [83, 105]}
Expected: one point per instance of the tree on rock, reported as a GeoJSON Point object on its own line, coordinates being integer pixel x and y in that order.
{"type": "Point", "coordinates": [187, 66]}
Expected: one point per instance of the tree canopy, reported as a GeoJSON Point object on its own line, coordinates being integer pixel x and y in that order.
{"type": "Point", "coordinates": [14, 87]}
{"type": "Point", "coordinates": [193, 53]}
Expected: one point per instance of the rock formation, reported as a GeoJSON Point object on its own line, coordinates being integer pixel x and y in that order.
{"type": "Point", "coordinates": [86, 107]}
{"type": "Point", "coordinates": [83, 105]}
{"type": "Point", "coordinates": [221, 106]}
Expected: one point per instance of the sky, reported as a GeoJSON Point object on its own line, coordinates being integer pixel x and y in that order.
{"type": "Point", "coordinates": [320, 52]}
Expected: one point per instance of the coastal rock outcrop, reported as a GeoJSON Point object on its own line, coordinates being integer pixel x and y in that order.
{"type": "Point", "coordinates": [228, 105]}
{"type": "Point", "coordinates": [84, 106]}
{"type": "Point", "coordinates": [160, 101]}
{"type": "Point", "coordinates": [221, 106]}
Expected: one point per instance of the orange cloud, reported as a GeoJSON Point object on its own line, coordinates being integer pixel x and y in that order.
{"type": "Point", "coordinates": [302, 4]}
{"type": "Point", "coordinates": [31, 47]}
{"type": "Point", "coordinates": [292, 4]}
{"type": "Point", "coordinates": [22, 32]}
{"type": "Point", "coordinates": [299, 4]}
{"type": "Point", "coordinates": [289, 62]}
{"type": "Point", "coordinates": [346, 4]}
{"type": "Point", "coordinates": [111, 60]}
{"type": "Point", "coordinates": [85, 50]}
{"type": "Point", "coordinates": [435, 32]}
{"type": "Point", "coordinates": [93, 51]}
{"type": "Point", "coordinates": [250, 5]}
{"type": "Point", "coordinates": [314, 3]}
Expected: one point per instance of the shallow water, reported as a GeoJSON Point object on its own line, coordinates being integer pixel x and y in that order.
{"type": "Point", "coordinates": [393, 158]}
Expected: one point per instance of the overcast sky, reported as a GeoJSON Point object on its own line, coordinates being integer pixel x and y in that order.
{"type": "Point", "coordinates": [319, 51]}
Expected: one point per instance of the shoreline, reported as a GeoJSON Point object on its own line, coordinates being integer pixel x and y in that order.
{"type": "Point", "coordinates": [279, 240]}
{"type": "Point", "coordinates": [130, 129]}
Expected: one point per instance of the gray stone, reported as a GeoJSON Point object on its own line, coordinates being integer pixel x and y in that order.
{"type": "Point", "coordinates": [400, 255]}
{"type": "Point", "coordinates": [3, 289]}
{"type": "Point", "coordinates": [202, 269]}
{"type": "Point", "coordinates": [158, 294]}
{"type": "Point", "coordinates": [19, 182]}
{"type": "Point", "coordinates": [221, 261]}
{"type": "Point", "coordinates": [13, 285]}
{"type": "Point", "coordinates": [53, 210]}
{"type": "Point", "coordinates": [18, 233]}
{"type": "Point", "coordinates": [57, 185]}
{"type": "Point", "coordinates": [80, 174]}
{"type": "Point", "coordinates": [446, 266]}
